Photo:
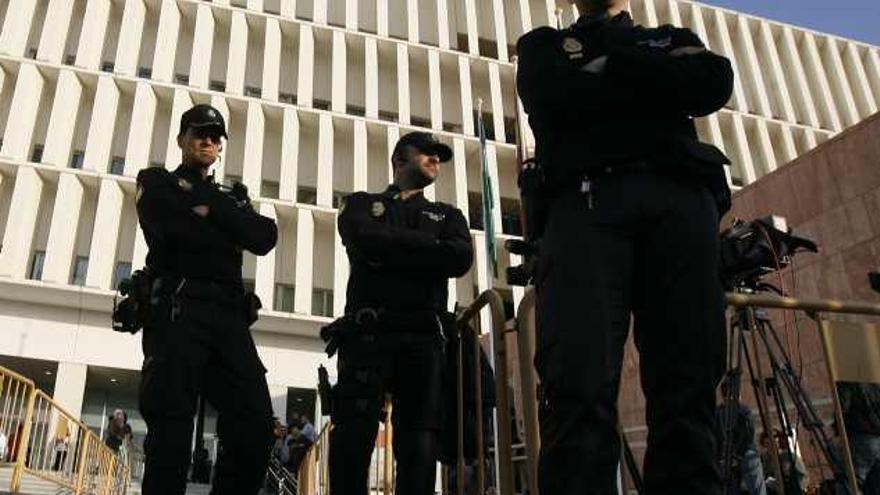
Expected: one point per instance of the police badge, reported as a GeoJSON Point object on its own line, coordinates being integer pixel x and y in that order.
{"type": "Point", "coordinates": [184, 184]}
{"type": "Point", "coordinates": [573, 47]}
{"type": "Point", "coordinates": [378, 209]}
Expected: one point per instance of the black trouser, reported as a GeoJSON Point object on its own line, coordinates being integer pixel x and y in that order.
{"type": "Point", "coordinates": [205, 349]}
{"type": "Point", "coordinates": [409, 366]}
{"type": "Point", "coordinates": [648, 246]}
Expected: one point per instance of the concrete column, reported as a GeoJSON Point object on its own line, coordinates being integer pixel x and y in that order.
{"type": "Point", "coordinates": [278, 393]}
{"type": "Point", "coordinates": [500, 29]}
{"type": "Point", "coordinates": [872, 66]}
{"type": "Point", "coordinates": [802, 88]}
{"type": "Point", "coordinates": [100, 140]}
{"type": "Point", "coordinates": [755, 70]}
{"type": "Point", "coordinates": [340, 274]}
{"type": "Point", "coordinates": [18, 237]}
{"type": "Point", "coordinates": [452, 291]}
{"type": "Point", "coordinates": [674, 13]}
{"type": "Point", "coordinates": [252, 166]}
{"type": "Point", "coordinates": [718, 140]}
{"type": "Point", "coordinates": [62, 231]}
{"type": "Point", "coordinates": [166, 41]}
{"type": "Point", "coordinates": [810, 139]}
{"type": "Point", "coordinates": [443, 24]}
{"type": "Point", "coordinates": [91, 39]}
{"type": "Point", "coordinates": [305, 78]}
{"type": "Point", "coordinates": [271, 59]}
{"type": "Point", "coordinates": [436, 90]}
{"type": "Point", "coordinates": [867, 102]}
{"type": "Point", "coordinates": [361, 155]}
{"type": "Point", "coordinates": [371, 78]}
{"type": "Point", "coordinates": [767, 149]}
{"type": "Point", "coordinates": [840, 83]}
{"type": "Point", "coordinates": [139, 255]}
{"type": "Point", "coordinates": [102, 254]}
{"type": "Point", "coordinates": [62, 120]}
{"type": "Point", "coordinates": [219, 168]}
{"type": "Point", "coordinates": [55, 29]}
{"type": "Point", "coordinates": [777, 77]}
{"type": "Point", "coordinates": [351, 15]}
{"type": "Point", "coordinates": [497, 102]}
{"type": "Point", "coordinates": [305, 244]}
{"type": "Point", "coordinates": [288, 8]}
{"type": "Point", "coordinates": [742, 144]}
{"type": "Point", "coordinates": [17, 27]}
{"type": "Point", "coordinates": [325, 161]}
{"type": "Point", "coordinates": [459, 157]}
{"type": "Point", "coordinates": [338, 75]}
{"type": "Point", "coordinates": [264, 281]}
{"type": "Point", "coordinates": [819, 76]}
{"type": "Point", "coordinates": [651, 13]}
{"type": "Point", "coordinates": [203, 46]}
{"type": "Point", "coordinates": [238, 43]}
{"type": "Point", "coordinates": [525, 16]}
{"type": "Point", "coordinates": [518, 292]}
{"type": "Point", "coordinates": [467, 100]}
{"type": "Point", "coordinates": [412, 15]}
{"type": "Point", "coordinates": [789, 150]}
{"type": "Point", "coordinates": [321, 11]}
{"type": "Point", "coordinates": [470, 12]}
{"type": "Point", "coordinates": [739, 100]}
{"type": "Point", "coordinates": [23, 113]}
{"type": "Point", "coordinates": [698, 22]}
{"type": "Point", "coordinates": [70, 386]}
{"type": "Point", "coordinates": [382, 18]}
{"type": "Point", "coordinates": [140, 133]}
{"type": "Point", "coordinates": [133, 16]}
{"type": "Point", "coordinates": [181, 103]}
{"type": "Point", "coordinates": [403, 97]}
{"type": "Point", "coordinates": [393, 135]}
{"type": "Point", "coordinates": [289, 155]}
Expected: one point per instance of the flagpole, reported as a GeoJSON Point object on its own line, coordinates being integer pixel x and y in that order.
{"type": "Point", "coordinates": [489, 233]}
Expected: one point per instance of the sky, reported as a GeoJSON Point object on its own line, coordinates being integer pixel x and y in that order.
{"type": "Point", "coordinates": [856, 19]}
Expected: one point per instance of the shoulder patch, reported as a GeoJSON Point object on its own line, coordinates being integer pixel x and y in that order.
{"type": "Point", "coordinates": [573, 47]}
{"type": "Point", "coordinates": [377, 209]}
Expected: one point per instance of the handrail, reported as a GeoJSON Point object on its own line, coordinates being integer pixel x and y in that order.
{"type": "Point", "coordinates": [50, 443]}
{"type": "Point", "coordinates": [811, 305]}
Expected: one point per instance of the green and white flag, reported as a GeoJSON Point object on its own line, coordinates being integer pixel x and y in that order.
{"type": "Point", "coordinates": [488, 202]}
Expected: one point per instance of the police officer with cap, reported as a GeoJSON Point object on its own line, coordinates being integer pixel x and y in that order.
{"type": "Point", "coordinates": [403, 249]}
{"type": "Point", "coordinates": [197, 341]}
{"type": "Point", "coordinates": [634, 202]}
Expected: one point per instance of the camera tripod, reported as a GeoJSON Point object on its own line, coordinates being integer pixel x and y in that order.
{"type": "Point", "coordinates": [753, 340]}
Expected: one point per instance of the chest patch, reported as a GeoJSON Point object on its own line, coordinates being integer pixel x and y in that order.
{"type": "Point", "coordinates": [437, 217]}
{"type": "Point", "coordinates": [378, 209]}
{"type": "Point", "coordinates": [573, 47]}
{"type": "Point", "coordinates": [661, 43]}
{"type": "Point", "coordinates": [184, 185]}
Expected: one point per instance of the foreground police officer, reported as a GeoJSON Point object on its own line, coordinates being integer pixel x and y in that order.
{"type": "Point", "coordinates": [632, 227]}
{"type": "Point", "coordinates": [198, 342]}
{"type": "Point", "coordinates": [403, 249]}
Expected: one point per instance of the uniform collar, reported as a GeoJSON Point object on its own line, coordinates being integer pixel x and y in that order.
{"type": "Point", "coordinates": [189, 173]}
{"type": "Point", "coordinates": [393, 192]}
{"type": "Point", "coordinates": [622, 18]}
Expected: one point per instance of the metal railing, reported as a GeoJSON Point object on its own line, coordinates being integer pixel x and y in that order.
{"type": "Point", "coordinates": [45, 441]}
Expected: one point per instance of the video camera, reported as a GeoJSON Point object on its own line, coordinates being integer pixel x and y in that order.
{"type": "Point", "coordinates": [132, 312]}
{"type": "Point", "coordinates": [750, 250]}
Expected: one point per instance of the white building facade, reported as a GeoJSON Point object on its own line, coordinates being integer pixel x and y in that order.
{"type": "Point", "coordinates": [315, 94]}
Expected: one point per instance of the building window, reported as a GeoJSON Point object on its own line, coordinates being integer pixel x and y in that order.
{"type": "Point", "coordinates": [117, 165]}
{"type": "Point", "coordinates": [217, 86]}
{"type": "Point", "coordinates": [76, 160]}
{"type": "Point", "coordinates": [37, 265]}
{"type": "Point", "coordinates": [107, 66]}
{"type": "Point", "coordinates": [388, 116]}
{"type": "Point", "coordinates": [307, 195]}
{"type": "Point", "coordinates": [510, 221]}
{"type": "Point", "coordinates": [337, 198]}
{"type": "Point", "coordinates": [37, 153]}
{"type": "Point", "coordinates": [321, 104]}
{"type": "Point", "coordinates": [270, 189]}
{"type": "Point", "coordinates": [181, 78]}
{"type": "Point", "coordinates": [322, 302]}
{"type": "Point", "coordinates": [122, 272]}
{"type": "Point", "coordinates": [475, 210]}
{"type": "Point", "coordinates": [287, 98]}
{"type": "Point", "coordinates": [355, 110]}
{"type": "Point", "coordinates": [145, 72]}
{"type": "Point", "coordinates": [69, 59]}
{"type": "Point", "coordinates": [284, 298]}
{"type": "Point", "coordinates": [32, 53]}
{"type": "Point", "coordinates": [420, 122]}
{"type": "Point", "coordinates": [253, 92]}
{"type": "Point", "coordinates": [80, 268]}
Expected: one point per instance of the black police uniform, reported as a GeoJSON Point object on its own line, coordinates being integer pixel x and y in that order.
{"type": "Point", "coordinates": [402, 252]}
{"type": "Point", "coordinates": [632, 227]}
{"type": "Point", "coordinates": [198, 342]}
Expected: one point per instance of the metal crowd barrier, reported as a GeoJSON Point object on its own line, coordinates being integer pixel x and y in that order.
{"type": "Point", "coordinates": [45, 441]}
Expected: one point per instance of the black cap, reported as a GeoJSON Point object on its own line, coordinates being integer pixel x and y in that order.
{"type": "Point", "coordinates": [201, 116]}
{"type": "Point", "coordinates": [426, 143]}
